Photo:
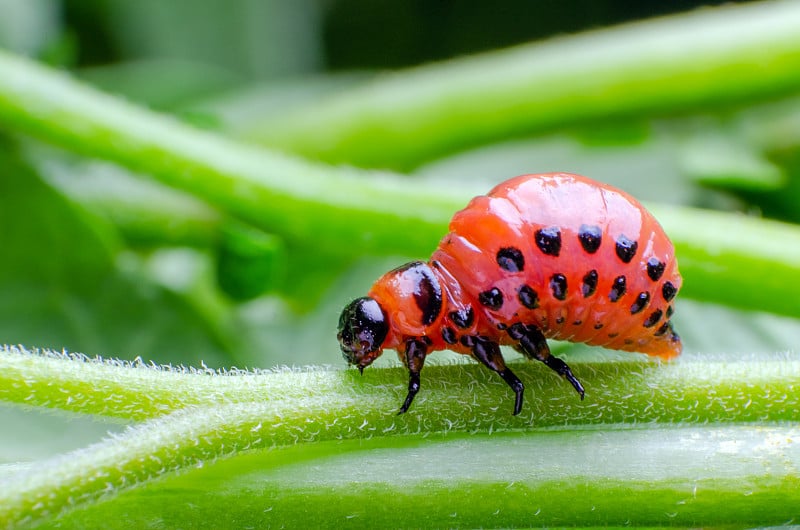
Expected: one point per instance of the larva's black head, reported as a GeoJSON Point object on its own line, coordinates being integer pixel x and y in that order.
{"type": "Point", "coordinates": [362, 330]}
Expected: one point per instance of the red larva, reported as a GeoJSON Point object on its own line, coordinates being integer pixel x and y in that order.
{"type": "Point", "coordinates": [553, 255]}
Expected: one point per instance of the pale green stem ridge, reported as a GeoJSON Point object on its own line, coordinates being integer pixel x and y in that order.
{"type": "Point", "coordinates": [707, 476]}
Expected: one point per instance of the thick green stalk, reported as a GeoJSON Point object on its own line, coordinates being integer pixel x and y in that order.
{"type": "Point", "coordinates": [678, 475]}
{"type": "Point", "coordinates": [692, 61]}
{"type": "Point", "coordinates": [453, 395]}
{"type": "Point", "coordinates": [199, 417]}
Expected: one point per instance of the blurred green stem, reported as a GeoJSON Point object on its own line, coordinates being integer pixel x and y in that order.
{"type": "Point", "coordinates": [299, 200]}
{"type": "Point", "coordinates": [693, 61]}
{"type": "Point", "coordinates": [350, 213]}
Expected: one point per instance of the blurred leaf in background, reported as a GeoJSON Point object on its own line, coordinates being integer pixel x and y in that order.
{"type": "Point", "coordinates": [164, 53]}
{"type": "Point", "coordinates": [65, 281]}
{"type": "Point", "coordinates": [31, 27]}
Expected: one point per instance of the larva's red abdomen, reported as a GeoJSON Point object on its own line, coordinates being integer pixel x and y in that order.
{"type": "Point", "coordinates": [583, 261]}
{"type": "Point", "coordinates": [552, 255]}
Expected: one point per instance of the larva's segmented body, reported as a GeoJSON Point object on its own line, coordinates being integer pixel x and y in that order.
{"type": "Point", "coordinates": [550, 255]}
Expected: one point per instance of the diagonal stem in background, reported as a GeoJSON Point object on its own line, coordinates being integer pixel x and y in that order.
{"type": "Point", "coordinates": [350, 212]}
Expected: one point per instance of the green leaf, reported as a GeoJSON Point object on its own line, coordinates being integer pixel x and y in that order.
{"type": "Point", "coordinates": [51, 240]}
{"type": "Point", "coordinates": [61, 285]}
{"type": "Point", "coordinates": [725, 163]}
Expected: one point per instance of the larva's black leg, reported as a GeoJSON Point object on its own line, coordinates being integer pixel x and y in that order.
{"type": "Point", "coordinates": [488, 353]}
{"type": "Point", "coordinates": [533, 345]}
{"type": "Point", "coordinates": [415, 359]}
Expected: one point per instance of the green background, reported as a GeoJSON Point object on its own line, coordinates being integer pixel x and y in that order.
{"type": "Point", "coordinates": [195, 186]}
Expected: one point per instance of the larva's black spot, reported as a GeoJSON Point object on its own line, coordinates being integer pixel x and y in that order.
{"type": "Point", "coordinates": [618, 288]}
{"type": "Point", "coordinates": [598, 325]}
{"type": "Point", "coordinates": [642, 299]}
{"type": "Point", "coordinates": [662, 330]}
{"type": "Point", "coordinates": [668, 290]}
{"type": "Point", "coordinates": [429, 300]}
{"type": "Point", "coordinates": [510, 259]}
{"type": "Point", "coordinates": [449, 335]}
{"type": "Point", "coordinates": [655, 268]}
{"type": "Point", "coordinates": [626, 248]}
{"type": "Point", "coordinates": [613, 335]}
{"type": "Point", "coordinates": [628, 341]}
{"type": "Point", "coordinates": [577, 323]}
{"type": "Point", "coordinates": [517, 331]}
{"type": "Point", "coordinates": [590, 237]}
{"type": "Point", "coordinates": [468, 341]}
{"type": "Point", "coordinates": [670, 310]}
{"type": "Point", "coordinates": [463, 318]}
{"type": "Point", "coordinates": [528, 297]}
{"type": "Point", "coordinates": [549, 240]}
{"type": "Point", "coordinates": [501, 326]}
{"type": "Point", "coordinates": [589, 285]}
{"type": "Point", "coordinates": [560, 320]}
{"type": "Point", "coordinates": [427, 292]}
{"type": "Point", "coordinates": [558, 285]}
{"type": "Point", "coordinates": [653, 319]}
{"type": "Point", "coordinates": [493, 298]}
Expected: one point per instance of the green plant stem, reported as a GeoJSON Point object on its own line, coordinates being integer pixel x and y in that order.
{"type": "Point", "coordinates": [200, 417]}
{"type": "Point", "coordinates": [455, 397]}
{"type": "Point", "coordinates": [674, 64]}
{"type": "Point", "coordinates": [677, 475]}
{"type": "Point", "coordinates": [344, 213]}
{"type": "Point", "coordinates": [735, 260]}
{"type": "Point", "coordinates": [138, 391]}
{"type": "Point", "coordinates": [299, 200]}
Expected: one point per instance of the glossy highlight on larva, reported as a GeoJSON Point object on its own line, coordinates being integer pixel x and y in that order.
{"type": "Point", "coordinates": [551, 255]}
